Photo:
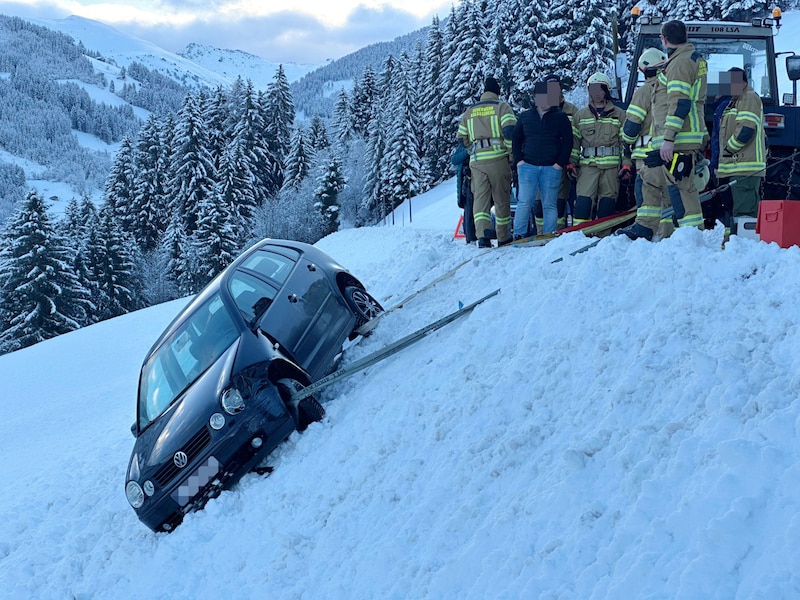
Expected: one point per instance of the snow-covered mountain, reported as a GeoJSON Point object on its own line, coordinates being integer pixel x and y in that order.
{"type": "Point", "coordinates": [622, 424]}
{"type": "Point", "coordinates": [194, 66]}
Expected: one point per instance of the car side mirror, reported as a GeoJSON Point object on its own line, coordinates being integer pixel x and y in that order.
{"type": "Point", "coordinates": [793, 67]}
{"type": "Point", "coordinates": [134, 429]}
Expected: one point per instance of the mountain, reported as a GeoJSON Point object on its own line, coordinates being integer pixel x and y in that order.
{"type": "Point", "coordinates": [621, 424]}
{"type": "Point", "coordinates": [236, 63]}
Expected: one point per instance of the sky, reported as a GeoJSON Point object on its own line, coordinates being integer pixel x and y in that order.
{"type": "Point", "coordinates": [310, 32]}
{"type": "Point", "coordinates": [624, 423]}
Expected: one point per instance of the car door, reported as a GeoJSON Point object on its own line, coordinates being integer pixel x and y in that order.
{"type": "Point", "coordinates": [307, 316]}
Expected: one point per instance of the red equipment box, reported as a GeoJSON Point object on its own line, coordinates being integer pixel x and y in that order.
{"type": "Point", "coordinates": [779, 221]}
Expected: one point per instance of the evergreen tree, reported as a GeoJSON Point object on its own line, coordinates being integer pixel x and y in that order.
{"type": "Point", "coordinates": [298, 163]}
{"type": "Point", "coordinates": [430, 95]}
{"type": "Point", "coordinates": [524, 42]}
{"type": "Point", "coordinates": [343, 122]}
{"type": "Point", "coordinates": [559, 55]}
{"type": "Point", "coordinates": [217, 237]}
{"type": "Point", "coordinates": [120, 186]}
{"type": "Point", "coordinates": [280, 114]}
{"type": "Point", "coordinates": [329, 184]}
{"type": "Point", "coordinates": [260, 165]}
{"type": "Point", "coordinates": [593, 41]}
{"type": "Point", "coordinates": [112, 257]}
{"type": "Point", "coordinates": [374, 203]}
{"type": "Point", "coordinates": [235, 191]}
{"type": "Point", "coordinates": [149, 208]}
{"type": "Point", "coordinates": [40, 296]}
{"type": "Point", "coordinates": [318, 135]}
{"type": "Point", "coordinates": [401, 156]}
{"type": "Point", "coordinates": [365, 95]}
{"type": "Point", "coordinates": [191, 163]}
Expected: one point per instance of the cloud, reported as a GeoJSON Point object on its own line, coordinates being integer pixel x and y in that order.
{"type": "Point", "coordinates": [285, 36]}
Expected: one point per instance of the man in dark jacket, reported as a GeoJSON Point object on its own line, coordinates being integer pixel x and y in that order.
{"type": "Point", "coordinates": [463, 187]}
{"type": "Point", "coordinates": [542, 142]}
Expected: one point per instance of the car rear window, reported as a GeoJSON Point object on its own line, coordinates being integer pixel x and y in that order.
{"type": "Point", "coordinates": [275, 266]}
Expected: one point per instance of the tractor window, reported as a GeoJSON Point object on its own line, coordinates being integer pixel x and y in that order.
{"type": "Point", "coordinates": [721, 55]}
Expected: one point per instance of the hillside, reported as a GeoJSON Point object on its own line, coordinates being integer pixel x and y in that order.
{"type": "Point", "coordinates": [622, 424]}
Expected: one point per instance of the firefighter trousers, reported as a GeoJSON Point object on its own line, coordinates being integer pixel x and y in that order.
{"type": "Point", "coordinates": [491, 183]}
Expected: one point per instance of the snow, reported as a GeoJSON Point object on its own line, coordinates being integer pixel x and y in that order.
{"type": "Point", "coordinates": [620, 424]}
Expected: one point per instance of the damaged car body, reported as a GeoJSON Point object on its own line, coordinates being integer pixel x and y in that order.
{"type": "Point", "coordinates": [215, 389]}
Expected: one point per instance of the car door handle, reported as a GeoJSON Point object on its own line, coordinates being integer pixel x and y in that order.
{"type": "Point", "coordinates": [311, 267]}
{"type": "Point", "coordinates": [292, 298]}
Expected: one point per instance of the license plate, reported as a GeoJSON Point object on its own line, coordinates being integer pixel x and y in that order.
{"type": "Point", "coordinates": [196, 481]}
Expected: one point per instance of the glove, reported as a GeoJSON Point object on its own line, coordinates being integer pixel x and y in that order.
{"type": "Point", "coordinates": [625, 173]}
{"type": "Point", "coordinates": [572, 171]}
{"type": "Point", "coordinates": [681, 166]}
{"type": "Point", "coordinates": [653, 159]}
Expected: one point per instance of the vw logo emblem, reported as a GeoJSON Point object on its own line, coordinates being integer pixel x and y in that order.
{"type": "Point", "coordinates": [180, 459]}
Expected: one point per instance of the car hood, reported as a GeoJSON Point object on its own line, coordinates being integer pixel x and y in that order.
{"type": "Point", "coordinates": [183, 419]}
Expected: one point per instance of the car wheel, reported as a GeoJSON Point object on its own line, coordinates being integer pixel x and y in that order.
{"type": "Point", "coordinates": [363, 305]}
{"type": "Point", "coordinates": [305, 411]}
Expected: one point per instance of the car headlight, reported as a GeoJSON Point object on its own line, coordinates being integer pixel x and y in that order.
{"type": "Point", "coordinates": [135, 494]}
{"type": "Point", "coordinates": [232, 401]}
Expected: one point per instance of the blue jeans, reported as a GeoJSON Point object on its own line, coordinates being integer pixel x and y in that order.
{"type": "Point", "coordinates": [534, 179]}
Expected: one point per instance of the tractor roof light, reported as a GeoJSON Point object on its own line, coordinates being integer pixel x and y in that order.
{"type": "Point", "coordinates": [777, 14]}
{"type": "Point", "coordinates": [636, 12]}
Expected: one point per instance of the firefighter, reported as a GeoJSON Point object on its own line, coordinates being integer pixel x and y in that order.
{"type": "Point", "coordinates": [636, 137]}
{"type": "Point", "coordinates": [485, 130]}
{"type": "Point", "coordinates": [740, 151]}
{"type": "Point", "coordinates": [597, 150]}
{"type": "Point", "coordinates": [678, 132]}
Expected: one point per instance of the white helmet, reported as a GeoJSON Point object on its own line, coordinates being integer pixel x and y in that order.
{"type": "Point", "coordinates": [651, 57]}
{"type": "Point", "coordinates": [600, 78]}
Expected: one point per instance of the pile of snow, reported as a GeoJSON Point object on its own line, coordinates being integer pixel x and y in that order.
{"type": "Point", "coordinates": [620, 424]}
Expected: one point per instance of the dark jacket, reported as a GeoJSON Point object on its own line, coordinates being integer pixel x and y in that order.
{"type": "Point", "coordinates": [542, 141]}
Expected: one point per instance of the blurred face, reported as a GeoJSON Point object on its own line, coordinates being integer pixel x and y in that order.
{"type": "Point", "coordinates": [731, 83]}
{"type": "Point", "coordinates": [550, 98]}
{"type": "Point", "coordinates": [597, 93]}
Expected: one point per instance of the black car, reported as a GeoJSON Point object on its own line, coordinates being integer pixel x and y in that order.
{"type": "Point", "coordinates": [215, 389]}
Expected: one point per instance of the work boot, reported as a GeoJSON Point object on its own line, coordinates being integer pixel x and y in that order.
{"type": "Point", "coordinates": [636, 231]}
{"type": "Point", "coordinates": [505, 242]}
{"type": "Point", "coordinates": [484, 243]}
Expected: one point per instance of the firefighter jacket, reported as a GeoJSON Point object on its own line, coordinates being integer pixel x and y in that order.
{"type": "Point", "coordinates": [638, 119]}
{"type": "Point", "coordinates": [597, 137]}
{"type": "Point", "coordinates": [486, 128]}
{"type": "Point", "coordinates": [567, 107]}
{"type": "Point", "coordinates": [679, 99]}
{"type": "Point", "coordinates": [741, 136]}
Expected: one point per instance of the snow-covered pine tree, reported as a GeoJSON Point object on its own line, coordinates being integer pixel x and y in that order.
{"type": "Point", "coordinates": [112, 257]}
{"type": "Point", "coordinates": [556, 31]}
{"type": "Point", "coordinates": [342, 122]}
{"type": "Point", "coordinates": [78, 221]}
{"type": "Point", "coordinates": [218, 236]}
{"type": "Point", "coordinates": [236, 192]}
{"type": "Point", "coordinates": [593, 42]}
{"type": "Point", "coordinates": [120, 185]}
{"type": "Point", "coordinates": [298, 162]}
{"type": "Point", "coordinates": [148, 213]}
{"type": "Point", "coordinates": [216, 115]}
{"type": "Point", "coordinates": [373, 203]}
{"type": "Point", "coordinates": [191, 165]}
{"type": "Point", "coordinates": [279, 107]}
{"type": "Point", "coordinates": [364, 97]}
{"type": "Point", "coordinates": [401, 155]}
{"type": "Point", "coordinates": [524, 41]}
{"type": "Point", "coordinates": [430, 94]}
{"type": "Point", "coordinates": [318, 134]}
{"type": "Point", "coordinates": [40, 295]}
{"type": "Point", "coordinates": [330, 182]}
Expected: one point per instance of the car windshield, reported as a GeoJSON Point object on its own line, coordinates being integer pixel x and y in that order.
{"type": "Point", "coordinates": [183, 357]}
{"type": "Point", "coordinates": [722, 54]}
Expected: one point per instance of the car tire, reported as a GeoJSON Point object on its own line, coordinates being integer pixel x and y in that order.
{"type": "Point", "coordinates": [305, 411]}
{"type": "Point", "coordinates": [363, 305]}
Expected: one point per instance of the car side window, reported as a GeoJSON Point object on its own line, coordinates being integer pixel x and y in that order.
{"type": "Point", "coordinates": [247, 291]}
{"type": "Point", "coordinates": [269, 264]}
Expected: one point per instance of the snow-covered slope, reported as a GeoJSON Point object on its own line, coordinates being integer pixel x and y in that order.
{"type": "Point", "coordinates": [621, 424]}
{"type": "Point", "coordinates": [236, 63]}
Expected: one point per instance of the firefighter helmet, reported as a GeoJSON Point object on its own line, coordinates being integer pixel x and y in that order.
{"type": "Point", "coordinates": [600, 78]}
{"type": "Point", "coordinates": [651, 57]}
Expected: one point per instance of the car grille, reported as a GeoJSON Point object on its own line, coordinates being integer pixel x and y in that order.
{"type": "Point", "coordinates": [192, 448]}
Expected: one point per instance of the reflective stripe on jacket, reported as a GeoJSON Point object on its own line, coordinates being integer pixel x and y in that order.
{"type": "Point", "coordinates": [679, 99]}
{"type": "Point", "coordinates": [591, 129]}
{"type": "Point", "coordinates": [488, 119]}
{"type": "Point", "coordinates": [741, 136]}
{"type": "Point", "coordinates": [638, 119]}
